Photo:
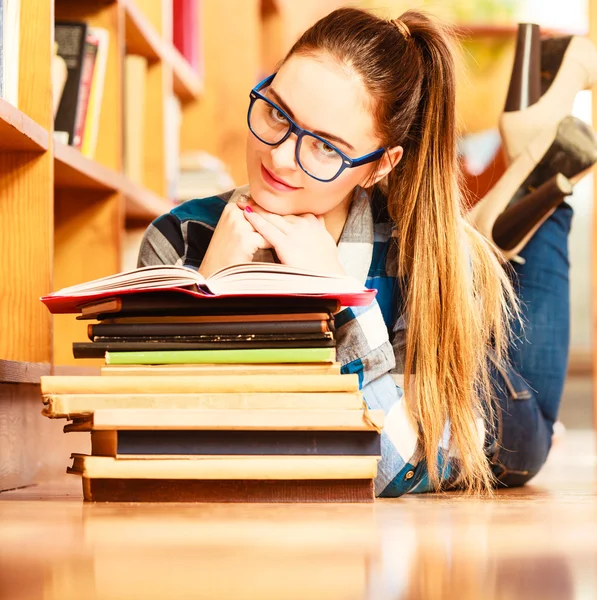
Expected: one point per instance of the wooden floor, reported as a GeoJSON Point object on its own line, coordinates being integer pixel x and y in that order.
{"type": "Point", "coordinates": [536, 542]}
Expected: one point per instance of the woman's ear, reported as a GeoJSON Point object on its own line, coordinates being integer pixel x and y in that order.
{"type": "Point", "coordinates": [386, 163]}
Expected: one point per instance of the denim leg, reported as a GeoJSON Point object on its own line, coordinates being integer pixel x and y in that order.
{"type": "Point", "coordinates": [529, 393]}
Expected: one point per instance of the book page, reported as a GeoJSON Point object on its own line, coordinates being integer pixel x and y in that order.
{"type": "Point", "coordinates": [260, 278]}
{"type": "Point", "coordinates": [153, 277]}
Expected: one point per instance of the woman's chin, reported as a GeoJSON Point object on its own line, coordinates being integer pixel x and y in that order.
{"type": "Point", "coordinates": [271, 202]}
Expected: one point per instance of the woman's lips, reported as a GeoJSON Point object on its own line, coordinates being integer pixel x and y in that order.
{"type": "Point", "coordinates": [274, 182]}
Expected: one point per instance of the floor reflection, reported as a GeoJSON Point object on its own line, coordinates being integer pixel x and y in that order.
{"type": "Point", "coordinates": [533, 543]}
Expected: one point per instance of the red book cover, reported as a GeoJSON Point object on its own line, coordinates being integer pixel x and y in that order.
{"type": "Point", "coordinates": [185, 22]}
{"type": "Point", "coordinates": [89, 56]}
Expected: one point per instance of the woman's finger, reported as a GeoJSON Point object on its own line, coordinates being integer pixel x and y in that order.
{"type": "Point", "coordinates": [263, 226]}
{"type": "Point", "coordinates": [276, 220]}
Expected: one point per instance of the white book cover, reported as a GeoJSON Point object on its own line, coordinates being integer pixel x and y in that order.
{"type": "Point", "coordinates": [10, 43]}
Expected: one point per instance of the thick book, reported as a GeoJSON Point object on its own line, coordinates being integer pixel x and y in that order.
{"type": "Point", "coordinates": [226, 420]}
{"type": "Point", "coordinates": [100, 349]}
{"type": "Point", "coordinates": [231, 490]}
{"type": "Point", "coordinates": [167, 304]}
{"type": "Point", "coordinates": [226, 467]}
{"type": "Point", "coordinates": [96, 384]}
{"type": "Point", "coordinates": [238, 281]}
{"type": "Point", "coordinates": [125, 444]}
{"type": "Point", "coordinates": [237, 329]}
{"type": "Point", "coordinates": [71, 38]}
{"type": "Point", "coordinates": [82, 406]}
{"type": "Point", "coordinates": [257, 355]}
{"type": "Point", "coordinates": [304, 369]}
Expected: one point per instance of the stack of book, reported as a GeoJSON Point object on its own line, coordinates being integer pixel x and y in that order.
{"type": "Point", "coordinates": [225, 392]}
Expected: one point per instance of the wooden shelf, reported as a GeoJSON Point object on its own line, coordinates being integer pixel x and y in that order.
{"type": "Point", "coordinates": [73, 170]}
{"type": "Point", "coordinates": [18, 132]}
{"type": "Point", "coordinates": [142, 39]}
{"type": "Point", "coordinates": [16, 371]}
{"type": "Point", "coordinates": [507, 30]}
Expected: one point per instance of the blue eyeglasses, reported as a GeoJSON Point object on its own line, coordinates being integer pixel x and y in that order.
{"type": "Point", "coordinates": [315, 155]}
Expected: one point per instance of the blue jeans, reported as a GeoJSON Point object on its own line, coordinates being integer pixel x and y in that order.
{"type": "Point", "coordinates": [529, 392]}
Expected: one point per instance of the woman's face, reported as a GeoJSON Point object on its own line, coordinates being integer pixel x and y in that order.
{"type": "Point", "coordinates": [325, 98]}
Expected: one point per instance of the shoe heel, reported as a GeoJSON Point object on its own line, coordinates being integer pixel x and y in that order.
{"type": "Point", "coordinates": [573, 151]}
{"type": "Point", "coordinates": [518, 220]}
{"type": "Point", "coordinates": [525, 82]}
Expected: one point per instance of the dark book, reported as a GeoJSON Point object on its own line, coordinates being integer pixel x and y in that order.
{"type": "Point", "coordinates": [254, 339]}
{"type": "Point", "coordinates": [71, 47]}
{"type": "Point", "coordinates": [222, 329]}
{"type": "Point", "coordinates": [172, 443]}
{"type": "Point", "coordinates": [179, 304]}
{"type": "Point", "coordinates": [98, 349]}
{"type": "Point", "coordinates": [199, 490]}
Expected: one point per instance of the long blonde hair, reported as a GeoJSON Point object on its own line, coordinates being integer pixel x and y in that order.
{"type": "Point", "coordinates": [458, 299]}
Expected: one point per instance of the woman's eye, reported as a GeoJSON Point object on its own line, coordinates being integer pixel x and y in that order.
{"type": "Point", "coordinates": [326, 148]}
{"type": "Point", "coordinates": [277, 115]}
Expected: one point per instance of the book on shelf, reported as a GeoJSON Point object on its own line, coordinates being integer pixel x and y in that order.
{"type": "Point", "coordinates": [236, 281]}
{"type": "Point", "coordinates": [185, 31]}
{"type": "Point", "coordinates": [10, 16]}
{"type": "Point", "coordinates": [70, 36]}
{"type": "Point", "coordinates": [87, 69]}
{"type": "Point", "coordinates": [85, 51]}
{"type": "Point", "coordinates": [2, 2]}
{"type": "Point", "coordinates": [135, 77]}
{"type": "Point", "coordinates": [98, 36]}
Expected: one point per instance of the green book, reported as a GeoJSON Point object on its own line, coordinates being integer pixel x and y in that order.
{"type": "Point", "coordinates": [190, 357]}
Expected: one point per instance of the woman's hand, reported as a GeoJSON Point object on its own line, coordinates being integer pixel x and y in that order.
{"type": "Point", "coordinates": [299, 240]}
{"type": "Point", "coordinates": [234, 241]}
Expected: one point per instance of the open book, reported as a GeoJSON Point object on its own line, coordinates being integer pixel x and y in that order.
{"type": "Point", "coordinates": [246, 279]}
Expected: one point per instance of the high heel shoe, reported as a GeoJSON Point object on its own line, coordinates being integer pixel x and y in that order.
{"type": "Point", "coordinates": [571, 151]}
{"type": "Point", "coordinates": [568, 65]}
{"type": "Point", "coordinates": [517, 224]}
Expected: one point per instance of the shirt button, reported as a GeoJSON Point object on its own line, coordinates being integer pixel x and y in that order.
{"type": "Point", "coordinates": [409, 475]}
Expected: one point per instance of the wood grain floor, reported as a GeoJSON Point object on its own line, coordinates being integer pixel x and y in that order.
{"type": "Point", "coordinates": [536, 542]}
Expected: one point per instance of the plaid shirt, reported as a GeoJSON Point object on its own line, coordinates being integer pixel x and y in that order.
{"type": "Point", "coordinates": [370, 340]}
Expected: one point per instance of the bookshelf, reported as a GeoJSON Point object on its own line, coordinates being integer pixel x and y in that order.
{"type": "Point", "coordinates": [64, 215]}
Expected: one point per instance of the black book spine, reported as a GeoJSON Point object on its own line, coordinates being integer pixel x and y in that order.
{"type": "Point", "coordinates": [301, 443]}
{"type": "Point", "coordinates": [71, 47]}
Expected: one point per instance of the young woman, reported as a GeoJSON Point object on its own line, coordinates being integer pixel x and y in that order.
{"type": "Point", "coordinates": [352, 165]}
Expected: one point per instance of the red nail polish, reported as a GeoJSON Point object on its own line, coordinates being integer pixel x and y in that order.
{"type": "Point", "coordinates": [248, 209]}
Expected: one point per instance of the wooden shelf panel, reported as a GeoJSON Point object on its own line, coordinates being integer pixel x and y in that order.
{"type": "Point", "coordinates": [73, 170]}
{"type": "Point", "coordinates": [143, 39]}
{"type": "Point", "coordinates": [18, 132]}
{"type": "Point", "coordinates": [16, 371]}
